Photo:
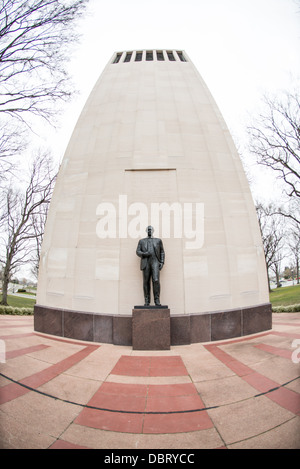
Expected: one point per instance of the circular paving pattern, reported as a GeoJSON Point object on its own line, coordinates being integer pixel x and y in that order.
{"type": "Point", "coordinates": [61, 393]}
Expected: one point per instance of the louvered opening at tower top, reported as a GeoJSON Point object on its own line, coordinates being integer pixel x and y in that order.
{"type": "Point", "coordinates": [149, 56]}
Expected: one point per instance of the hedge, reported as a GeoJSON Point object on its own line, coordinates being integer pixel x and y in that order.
{"type": "Point", "coordinates": [29, 311]}
{"type": "Point", "coordinates": [15, 310]}
{"type": "Point", "coordinates": [286, 309]}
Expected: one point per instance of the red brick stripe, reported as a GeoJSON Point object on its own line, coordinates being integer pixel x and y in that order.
{"type": "Point", "coordinates": [24, 351]}
{"type": "Point", "coordinates": [280, 352]}
{"type": "Point", "coordinates": [284, 397]}
{"type": "Point", "coordinates": [61, 444]}
{"type": "Point", "coordinates": [150, 366]}
{"type": "Point", "coordinates": [141, 408]}
{"type": "Point", "coordinates": [13, 390]}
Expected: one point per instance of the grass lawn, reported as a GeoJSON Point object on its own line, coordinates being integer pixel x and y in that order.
{"type": "Point", "coordinates": [19, 302]}
{"type": "Point", "coordinates": [285, 296]}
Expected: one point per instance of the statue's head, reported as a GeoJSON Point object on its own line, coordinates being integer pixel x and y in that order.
{"type": "Point", "coordinates": [150, 230]}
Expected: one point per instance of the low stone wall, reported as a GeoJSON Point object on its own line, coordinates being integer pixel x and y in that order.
{"type": "Point", "coordinates": [184, 329]}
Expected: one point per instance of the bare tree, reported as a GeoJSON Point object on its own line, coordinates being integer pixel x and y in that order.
{"type": "Point", "coordinates": [22, 218]}
{"type": "Point", "coordinates": [272, 237]}
{"type": "Point", "coordinates": [290, 211]}
{"type": "Point", "coordinates": [12, 143]}
{"type": "Point", "coordinates": [38, 227]}
{"type": "Point", "coordinates": [275, 139]}
{"type": "Point", "coordinates": [276, 265]}
{"type": "Point", "coordinates": [35, 39]}
{"type": "Point", "coordinates": [294, 247]}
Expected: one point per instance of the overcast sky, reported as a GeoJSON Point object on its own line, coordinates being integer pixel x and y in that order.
{"type": "Point", "coordinates": [242, 49]}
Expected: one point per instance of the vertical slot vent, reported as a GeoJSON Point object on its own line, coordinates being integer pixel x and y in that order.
{"type": "Point", "coordinates": [171, 56]}
{"type": "Point", "coordinates": [128, 57]}
{"type": "Point", "coordinates": [181, 56]}
{"type": "Point", "coordinates": [149, 55]}
{"type": "Point", "coordinates": [138, 56]}
{"type": "Point", "coordinates": [117, 58]}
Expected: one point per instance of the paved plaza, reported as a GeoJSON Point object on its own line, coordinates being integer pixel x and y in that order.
{"type": "Point", "coordinates": [62, 393]}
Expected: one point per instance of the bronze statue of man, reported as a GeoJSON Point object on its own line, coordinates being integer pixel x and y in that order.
{"type": "Point", "coordinates": [152, 254]}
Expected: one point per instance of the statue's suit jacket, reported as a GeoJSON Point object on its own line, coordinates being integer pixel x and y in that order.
{"type": "Point", "coordinates": [143, 248]}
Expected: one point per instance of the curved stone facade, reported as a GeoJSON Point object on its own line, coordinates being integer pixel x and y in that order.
{"type": "Point", "coordinates": [151, 136]}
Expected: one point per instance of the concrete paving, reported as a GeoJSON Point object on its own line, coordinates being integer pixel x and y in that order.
{"type": "Point", "coordinates": [63, 393]}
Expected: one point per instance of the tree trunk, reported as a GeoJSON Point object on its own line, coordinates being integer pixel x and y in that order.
{"type": "Point", "coordinates": [277, 278]}
{"type": "Point", "coordinates": [5, 281]}
{"type": "Point", "coordinates": [268, 280]}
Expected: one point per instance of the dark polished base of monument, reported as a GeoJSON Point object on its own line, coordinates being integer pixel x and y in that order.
{"type": "Point", "coordinates": [184, 329]}
{"type": "Point", "coordinates": [151, 329]}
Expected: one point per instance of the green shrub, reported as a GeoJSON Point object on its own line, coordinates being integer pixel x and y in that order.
{"type": "Point", "coordinates": [286, 309]}
{"type": "Point", "coordinates": [15, 310]}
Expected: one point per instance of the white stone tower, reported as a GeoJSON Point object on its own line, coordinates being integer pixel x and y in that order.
{"type": "Point", "coordinates": [151, 135]}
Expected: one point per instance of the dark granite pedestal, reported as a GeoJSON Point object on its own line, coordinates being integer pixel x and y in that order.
{"type": "Point", "coordinates": [185, 328]}
{"type": "Point", "coordinates": [151, 328]}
